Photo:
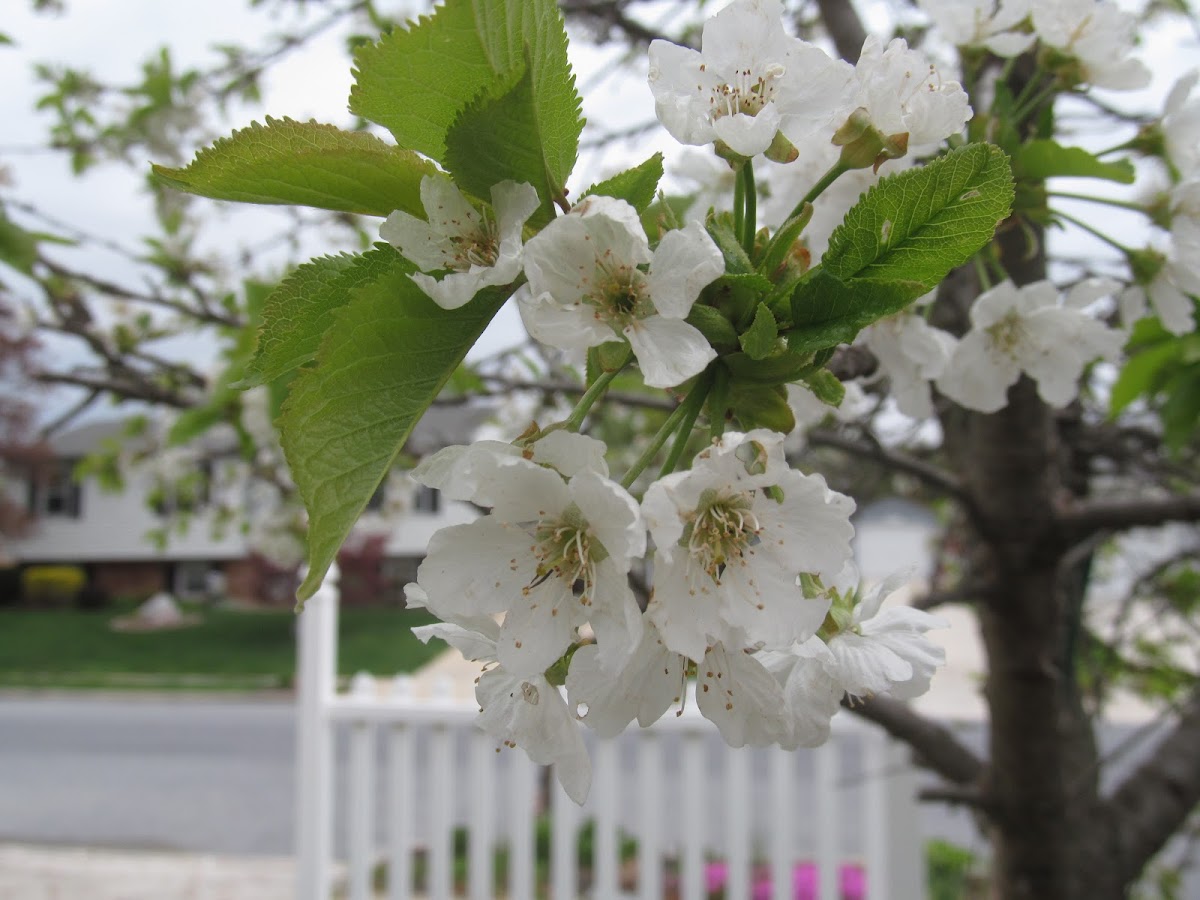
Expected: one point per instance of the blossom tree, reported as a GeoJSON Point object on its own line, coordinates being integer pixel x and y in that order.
{"type": "Point", "coordinates": [883, 227]}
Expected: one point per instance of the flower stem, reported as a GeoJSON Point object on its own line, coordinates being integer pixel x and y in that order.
{"type": "Point", "coordinates": [835, 172]}
{"type": "Point", "coordinates": [750, 204]}
{"type": "Point", "coordinates": [684, 413]}
{"type": "Point", "coordinates": [1092, 231]}
{"type": "Point", "coordinates": [594, 393]}
{"type": "Point", "coordinates": [686, 423]}
{"type": "Point", "coordinates": [739, 204]}
{"type": "Point", "coordinates": [1030, 104]}
{"type": "Point", "coordinates": [1107, 201]}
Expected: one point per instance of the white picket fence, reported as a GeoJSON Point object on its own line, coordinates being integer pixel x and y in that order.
{"type": "Point", "coordinates": [417, 769]}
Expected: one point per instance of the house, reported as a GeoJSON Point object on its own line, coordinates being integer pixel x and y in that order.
{"type": "Point", "coordinates": [142, 539]}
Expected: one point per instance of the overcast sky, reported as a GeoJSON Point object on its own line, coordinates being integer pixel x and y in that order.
{"type": "Point", "coordinates": [111, 38]}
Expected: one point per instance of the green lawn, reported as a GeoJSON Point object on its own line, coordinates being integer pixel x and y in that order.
{"type": "Point", "coordinates": [228, 649]}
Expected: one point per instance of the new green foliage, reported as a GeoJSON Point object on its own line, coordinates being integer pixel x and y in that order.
{"type": "Point", "coordinates": [415, 81]}
{"type": "Point", "coordinates": [381, 363]}
{"type": "Point", "coordinates": [1041, 159]}
{"type": "Point", "coordinates": [496, 139]}
{"type": "Point", "coordinates": [637, 186]}
{"type": "Point", "coordinates": [305, 164]}
{"type": "Point", "coordinates": [902, 238]}
{"type": "Point", "coordinates": [298, 312]}
{"type": "Point", "coordinates": [919, 224]}
{"type": "Point", "coordinates": [533, 31]}
{"type": "Point", "coordinates": [483, 70]}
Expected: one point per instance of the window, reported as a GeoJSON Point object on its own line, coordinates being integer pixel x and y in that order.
{"type": "Point", "coordinates": [53, 490]}
{"type": "Point", "coordinates": [427, 499]}
{"type": "Point", "coordinates": [375, 504]}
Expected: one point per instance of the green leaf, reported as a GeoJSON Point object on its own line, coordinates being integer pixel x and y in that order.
{"type": "Point", "coordinates": [18, 247]}
{"type": "Point", "coordinates": [534, 31]}
{"type": "Point", "coordinates": [1181, 409]}
{"type": "Point", "coordinates": [919, 224]}
{"type": "Point", "coordinates": [828, 312]}
{"type": "Point", "coordinates": [758, 407]}
{"type": "Point", "coordinates": [720, 229]}
{"type": "Point", "coordinates": [760, 338]}
{"type": "Point", "coordinates": [826, 387]}
{"type": "Point", "coordinates": [779, 368]}
{"type": "Point", "coordinates": [1041, 159]}
{"type": "Point", "coordinates": [382, 362]}
{"type": "Point", "coordinates": [717, 329]}
{"type": "Point", "coordinates": [415, 81]}
{"type": "Point", "coordinates": [305, 164]}
{"type": "Point", "coordinates": [1143, 374]}
{"type": "Point", "coordinates": [637, 186]}
{"type": "Point", "coordinates": [298, 313]}
{"type": "Point", "coordinates": [497, 139]}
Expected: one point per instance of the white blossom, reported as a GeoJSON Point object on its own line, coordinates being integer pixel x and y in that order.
{"type": "Point", "coordinates": [519, 711]}
{"type": "Point", "coordinates": [1181, 125]}
{"type": "Point", "coordinates": [480, 249]}
{"type": "Point", "coordinates": [1099, 35]}
{"type": "Point", "coordinates": [455, 470]}
{"type": "Point", "coordinates": [732, 535]}
{"type": "Point", "coordinates": [911, 353]}
{"type": "Point", "coordinates": [886, 652]}
{"type": "Point", "coordinates": [586, 288]}
{"type": "Point", "coordinates": [737, 694]}
{"type": "Point", "coordinates": [1173, 285]}
{"type": "Point", "coordinates": [982, 23]}
{"type": "Point", "coordinates": [554, 554]}
{"type": "Point", "coordinates": [647, 685]}
{"type": "Point", "coordinates": [1026, 329]}
{"type": "Point", "coordinates": [749, 81]}
{"type": "Point", "coordinates": [902, 92]}
{"type": "Point", "coordinates": [812, 692]}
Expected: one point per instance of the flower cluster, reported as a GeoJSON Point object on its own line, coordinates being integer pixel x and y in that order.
{"type": "Point", "coordinates": [742, 544]}
{"type": "Point", "coordinates": [752, 89]}
{"type": "Point", "coordinates": [1167, 279]}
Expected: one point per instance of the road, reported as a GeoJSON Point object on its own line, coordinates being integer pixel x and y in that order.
{"type": "Point", "coordinates": [179, 774]}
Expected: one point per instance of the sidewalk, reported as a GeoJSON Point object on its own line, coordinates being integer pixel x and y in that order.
{"type": "Point", "coordinates": [69, 873]}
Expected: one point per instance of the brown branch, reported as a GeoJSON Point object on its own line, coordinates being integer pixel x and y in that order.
{"type": "Point", "coordinates": [852, 362]}
{"type": "Point", "coordinates": [1089, 517]}
{"type": "Point", "coordinates": [937, 749]}
{"type": "Point", "coordinates": [1155, 799]}
{"type": "Point", "coordinates": [928, 474]}
{"type": "Point", "coordinates": [844, 27]}
{"type": "Point", "coordinates": [127, 390]}
{"type": "Point", "coordinates": [611, 14]}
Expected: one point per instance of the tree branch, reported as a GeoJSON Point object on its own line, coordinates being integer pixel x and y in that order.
{"type": "Point", "coordinates": [936, 747]}
{"type": "Point", "coordinates": [1154, 801]}
{"type": "Point", "coordinates": [928, 474]}
{"type": "Point", "coordinates": [1092, 516]}
{"type": "Point", "coordinates": [844, 26]}
{"type": "Point", "coordinates": [611, 14]}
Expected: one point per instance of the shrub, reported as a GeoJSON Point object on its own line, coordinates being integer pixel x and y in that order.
{"type": "Point", "coordinates": [10, 586]}
{"type": "Point", "coordinates": [92, 598]}
{"type": "Point", "coordinates": [52, 585]}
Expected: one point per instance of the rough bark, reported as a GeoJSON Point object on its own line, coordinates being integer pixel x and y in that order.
{"type": "Point", "coordinates": [1050, 831]}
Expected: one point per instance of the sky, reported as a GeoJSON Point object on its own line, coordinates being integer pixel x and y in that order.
{"type": "Point", "coordinates": [111, 38]}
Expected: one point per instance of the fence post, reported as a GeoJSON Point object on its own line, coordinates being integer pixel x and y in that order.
{"type": "Point", "coordinates": [316, 677]}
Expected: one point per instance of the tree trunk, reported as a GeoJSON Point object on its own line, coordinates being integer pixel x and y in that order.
{"type": "Point", "coordinates": [1051, 836]}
